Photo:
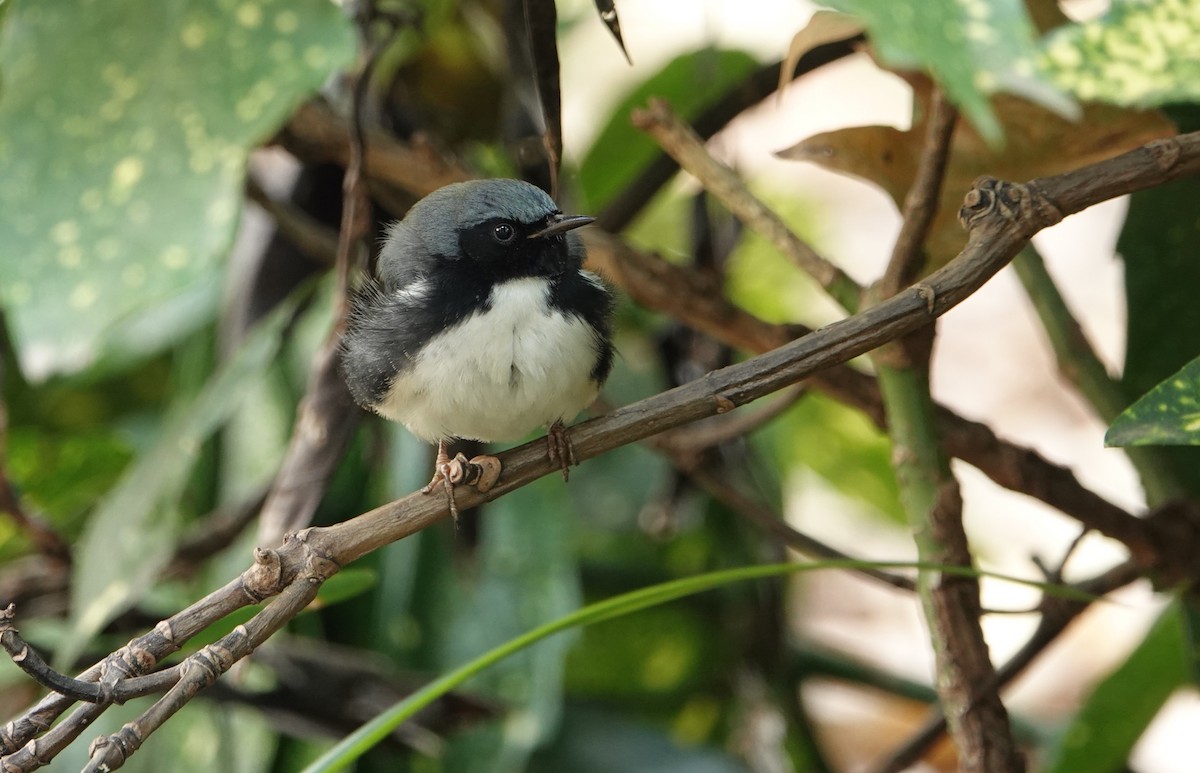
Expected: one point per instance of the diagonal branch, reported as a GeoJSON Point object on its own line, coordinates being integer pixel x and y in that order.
{"type": "Point", "coordinates": [678, 139]}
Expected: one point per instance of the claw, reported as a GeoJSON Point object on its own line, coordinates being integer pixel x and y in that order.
{"type": "Point", "coordinates": [449, 472]}
{"type": "Point", "coordinates": [559, 448]}
{"type": "Point", "coordinates": [481, 472]}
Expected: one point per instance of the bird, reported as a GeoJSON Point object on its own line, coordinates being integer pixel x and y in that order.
{"type": "Point", "coordinates": [480, 324]}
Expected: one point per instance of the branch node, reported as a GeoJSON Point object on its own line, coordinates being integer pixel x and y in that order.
{"type": "Point", "coordinates": [994, 204]}
{"type": "Point", "coordinates": [266, 576]}
{"type": "Point", "coordinates": [724, 404]}
{"type": "Point", "coordinates": [926, 293]}
{"type": "Point", "coordinates": [1166, 151]}
{"type": "Point", "coordinates": [165, 630]}
{"type": "Point", "coordinates": [109, 752]}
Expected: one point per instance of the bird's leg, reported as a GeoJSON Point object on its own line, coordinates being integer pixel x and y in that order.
{"type": "Point", "coordinates": [480, 472]}
{"type": "Point", "coordinates": [449, 472]}
{"type": "Point", "coordinates": [559, 448]}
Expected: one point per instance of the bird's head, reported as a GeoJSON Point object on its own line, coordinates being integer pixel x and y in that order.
{"type": "Point", "coordinates": [503, 229]}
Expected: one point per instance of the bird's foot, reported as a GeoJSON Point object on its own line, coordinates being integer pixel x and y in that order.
{"type": "Point", "coordinates": [559, 448]}
{"type": "Point", "coordinates": [479, 471]}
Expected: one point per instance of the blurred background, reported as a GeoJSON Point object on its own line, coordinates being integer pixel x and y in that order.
{"type": "Point", "coordinates": [164, 315]}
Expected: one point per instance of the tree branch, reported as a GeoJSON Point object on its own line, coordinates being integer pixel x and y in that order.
{"type": "Point", "coordinates": [678, 140]}
{"type": "Point", "coordinates": [920, 205]}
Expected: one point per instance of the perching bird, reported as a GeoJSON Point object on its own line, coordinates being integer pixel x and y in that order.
{"type": "Point", "coordinates": [482, 324]}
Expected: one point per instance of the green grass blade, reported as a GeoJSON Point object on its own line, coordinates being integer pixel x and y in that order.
{"type": "Point", "coordinates": [360, 741]}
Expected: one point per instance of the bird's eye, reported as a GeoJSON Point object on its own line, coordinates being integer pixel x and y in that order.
{"type": "Point", "coordinates": [504, 233]}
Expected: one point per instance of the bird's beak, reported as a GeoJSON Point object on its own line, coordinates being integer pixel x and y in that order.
{"type": "Point", "coordinates": [561, 224]}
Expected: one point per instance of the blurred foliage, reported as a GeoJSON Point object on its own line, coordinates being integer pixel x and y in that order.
{"type": "Point", "coordinates": [123, 152]}
{"type": "Point", "coordinates": [134, 413]}
{"type": "Point", "coordinates": [1138, 53]}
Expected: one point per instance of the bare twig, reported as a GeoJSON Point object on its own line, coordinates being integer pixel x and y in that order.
{"type": "Point", "coordinates": [689, 440]}
{"type": "Point", "coordinates": [759, 85]}
{"type": "Point", "coordinates": [772, 522]}
{"type": "Point", "coordinates": [678, 139]}
{"type": "Point", "coordinates": [317, 133]}
{"type": "Point", "coordinates": [920, 205]}
{"type": "Point", "coordinates": [931, 496]}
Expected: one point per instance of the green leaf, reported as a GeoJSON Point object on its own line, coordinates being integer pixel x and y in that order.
{"type": "Point", "coordinates": [688, 82]}
{"type": "Point", "coordinates": [1120, 708]}
{"type": "Point", "coordinates": [973, 49]}
{"type": "Point", "coordinates": [1169, 414]}
{"type": "Point", "coordinates": [124, 130]}
{"type": "Point", "coordinates": [1139, 54]}
{"type": "Point", "coordinates": [130, 536]}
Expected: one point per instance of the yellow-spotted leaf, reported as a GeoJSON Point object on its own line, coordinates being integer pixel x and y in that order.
{"type": "Point", "coordinates": [974, 48]}
{"type": "Point", "coordinates": [1139, 53]}
{"type": "Point", "coordinates": [1167, 415]}
{"type": "Point", "coordinates": [124, 130]}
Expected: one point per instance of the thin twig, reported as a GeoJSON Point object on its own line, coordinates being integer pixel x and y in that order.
{"type": "Point", "coordinates": [316, 133]}
{"type": "Point", "coordinates": [767, 519]}
{"type": "Point", "coordinates": [921, 203]}
{"type": "Point", "coordinates": [931, 495]}
{"type": "Point", "coordinates": [678, 140]}
{"type": "Point", "coordinates": [625, 206]}
{"type": "Point", "coordinates": [31, 663]}
{"type": "Point", "coordinates": [695, 438]}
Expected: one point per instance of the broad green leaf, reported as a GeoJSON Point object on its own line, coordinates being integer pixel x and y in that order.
{"type": "Point", "coordinates": [1120, 708]}
{"type": "Point", "coordinates": [1139, 54]}
{"type": "Point", "coordinates": [1169, 414]}
{"type": "Point", "coordinates": [124, 130]}
{"type": "Point", "coordinates": [973, 48]}
{"type": "Point", "coordinates": [130, 536]}
{"type": "Point", "coordinates": [688, 82]}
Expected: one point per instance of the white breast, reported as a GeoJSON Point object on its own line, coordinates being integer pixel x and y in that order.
{"type": "Point", "coordinates": [500, 374]}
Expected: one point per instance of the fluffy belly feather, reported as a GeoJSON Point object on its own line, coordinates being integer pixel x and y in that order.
{"type": "Point", "coordinates": [499, 374]}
